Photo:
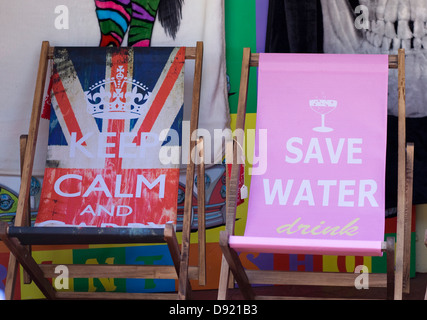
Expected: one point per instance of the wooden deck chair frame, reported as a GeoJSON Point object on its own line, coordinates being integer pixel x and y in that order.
{"type": "Point", "coordinates": [397, 278]}
{"type": "Point", "coordinates": [21, 236]}
{"type": "Point", "coordinates": [425, 243]}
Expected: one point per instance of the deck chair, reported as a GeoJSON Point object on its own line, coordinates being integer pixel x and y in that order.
{"type": "Point", "coordinates": [115, 95]}
{"type": "Point", "coordinates": [280, 229]}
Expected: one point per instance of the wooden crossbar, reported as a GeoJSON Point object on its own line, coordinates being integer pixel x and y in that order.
{"type": "Point", "coordinates": [118, 271]}
{"type": "Point", "coordinates": [190, 53]}
{"type": "Point", "coordinates": [393, 61]}
{"type": "Point", "coordinates": [75, 235]}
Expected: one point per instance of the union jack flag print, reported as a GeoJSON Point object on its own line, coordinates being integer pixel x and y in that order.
{"type": "Point", "coordinates": [113, 113]}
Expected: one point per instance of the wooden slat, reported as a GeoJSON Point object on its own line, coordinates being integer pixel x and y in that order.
{"type": "Point", "coordinates": [401, 179]}
{"type": "Point", "coordinates": [25, 259]}
{"type": "Point", "coordinates": [224, 279]}
{"type": "Point", "coordinates": [27, 164]}
{"type": "Point", "coordinates": [190, 53]}
{"type": "Point", "coordinates": [232, 188]}
{"type": "Point", "coordinates": [392, 61]}
{"type": "Point", "coordinates": [117, 271]}
{"type": "Point", "coordinates": [409, 172]}
{"type": "Point", "coordinates": [13, 265]}
{"type": "Point", "coordinates": [236, 267]}
{"type": "Point", "coordinates": [112, 271]}
{"type": "Point", "coordinates": [27, 167]}
{"type": "Point", "coordinates": [201, 212]}
{"type": "Point", "coordinates": [390, 267]}
{"type": "Point", "coordinates": [114, 296]}
{"type": "Point", "coordinates": [171, 240]}
{"type": "Point", "coordinates": [224, 273]}
{"type": "Point", "coordinates": [12, 272]}
{"type": "Point", "coordinates": [303, 298]}
{"type": "Point", "coordinates": [27, 210]}
{"type": "Point", "coordinates": [186, 224]}
{"type": "Point", "coordinates": [425, 243]}
{"type": "Point", "coordinates": [233, 182]}
{"type": "Point", "coordinates": [93, 235]}
{"type": "Point", "coordinates": [312, 278]}
{"type": "Point", "coordinates": [23, 139]}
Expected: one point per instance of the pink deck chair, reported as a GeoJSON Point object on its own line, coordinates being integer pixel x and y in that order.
{"type": "Point", "coordinates": [319, 186]}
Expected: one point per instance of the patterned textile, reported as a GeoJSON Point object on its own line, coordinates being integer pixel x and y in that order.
{"type": "Point", "coordinates": [117, 16]}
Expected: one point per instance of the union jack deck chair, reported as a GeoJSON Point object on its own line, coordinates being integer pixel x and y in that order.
{"type": "Point", "coordinates": [113, 163]}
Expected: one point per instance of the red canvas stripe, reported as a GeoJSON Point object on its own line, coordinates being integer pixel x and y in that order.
{"type": "Point", "coordinates": [119, 58]}
{"type": "Point", "coordinates": [115, 163]}
{"type": "Point", "coordinates": [164, 91]}
{"type": "Point", "coordinates": [147, 206]}
{"type": "Point", "coordinates": [65, 106]}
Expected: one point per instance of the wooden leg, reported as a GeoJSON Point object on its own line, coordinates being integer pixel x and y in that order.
{"type": "Point", "coordinates": [173, 246]}
{"type": "Point", "coordinates": [27, 209]}
{"type": "Point", "coordinates": [390, 268]}
{"type": "Point", "coordinates": [201, 213]}
{"type": "Point", "coordinates": [26, 221]}
{"type": "Point", "coordinates": [27, 165]}
{"type": "Point", "coordinates": [425, 242]}
{"type": "Point", "coordinates": [408, 217]}
{"type": "Point", "coordinates": [172, 242]}
{"type": "Point", "coordinates": [188, 202]}
{"type": "Point", "coordinates": [12, 272]}
{"type": "Point", "coordinates": [23, 256]}
{"type": "Point", "coordinates": [224, 279]}
{"type": "Point", "coordinates": [236, 267]}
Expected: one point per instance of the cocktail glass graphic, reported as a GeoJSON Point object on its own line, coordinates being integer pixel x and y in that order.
{"type": "Point", "coordinates": [323, 107]}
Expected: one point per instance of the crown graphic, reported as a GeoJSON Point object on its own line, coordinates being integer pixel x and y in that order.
{"type": "Point", "coordinates": [125, 99]}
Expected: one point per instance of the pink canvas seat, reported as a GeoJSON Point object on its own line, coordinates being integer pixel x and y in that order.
{"type": "Point", "coordinates": [319, 185]}
{"type": "Point", "coordinates": [305, 246]}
